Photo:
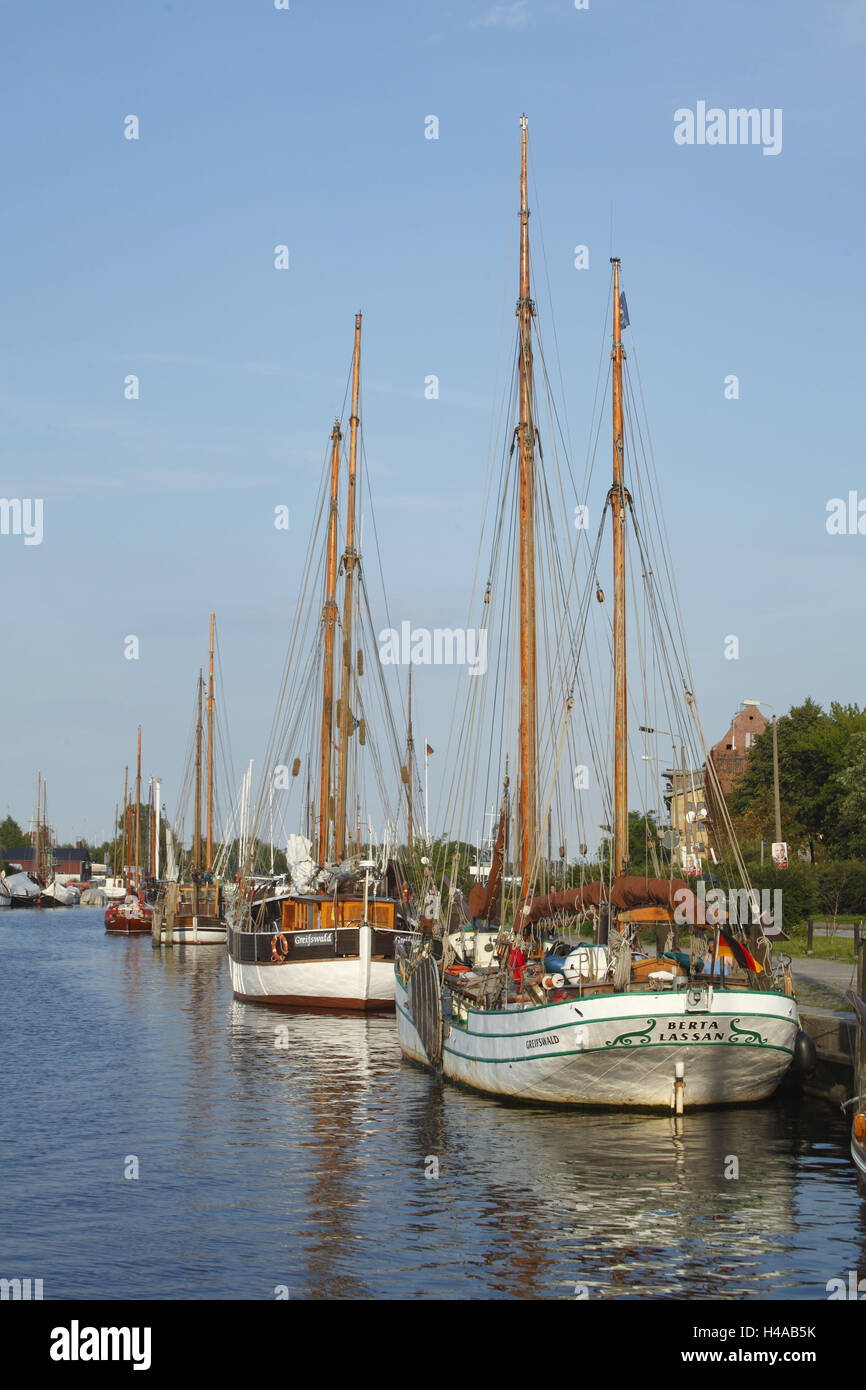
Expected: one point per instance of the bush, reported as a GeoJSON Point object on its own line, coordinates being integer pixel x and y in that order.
{"type": "Point", "coordinates": [841, 887]}
{"type": "Point", "coordinates": [798, 886]}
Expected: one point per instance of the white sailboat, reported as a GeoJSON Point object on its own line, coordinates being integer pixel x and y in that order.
{"type": "Point", "coordinates": [23, 890]}
{"type": "Point", "coordinates": [498, 1001]}
{"type": "Point", "coordinates": [323, 936]}
{"type": "Point", "coordinates": [60, 895]}
{"type": "Point", "coordinates": [193, 913]}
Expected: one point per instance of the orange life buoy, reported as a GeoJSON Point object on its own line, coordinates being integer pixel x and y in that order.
{"type": "Point", "coordinates": [860, 1127]}
{"type": "Point", "coordinates": [279, 947]}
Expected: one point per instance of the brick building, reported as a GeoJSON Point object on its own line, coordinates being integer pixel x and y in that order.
{"type": "Point", "coordinates": [731, 753]}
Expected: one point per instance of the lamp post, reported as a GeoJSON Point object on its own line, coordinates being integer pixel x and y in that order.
{"type": "Point", "coordinates": [755, 704]}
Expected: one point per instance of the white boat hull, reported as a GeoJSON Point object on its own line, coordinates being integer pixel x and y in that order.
{"type": "Point", "coordinates": [619, 1050]}
{"type": "Point", "coordinates": [61, 895]}
{"type": "Point", "coordinates": [357, 983]}
{"type": "Point", "coordinates": [22, 890]}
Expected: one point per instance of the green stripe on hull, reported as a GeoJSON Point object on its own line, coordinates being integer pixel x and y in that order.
{"type": "Point", "coordinates": [639, 1047]}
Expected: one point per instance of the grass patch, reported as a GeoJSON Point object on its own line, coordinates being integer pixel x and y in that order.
{"type": "Point", "coordinates": [839, 948]}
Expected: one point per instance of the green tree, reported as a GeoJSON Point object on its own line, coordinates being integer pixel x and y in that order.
{"type": "Point", "coordinates": [12, 836]}
{"type": "Point", "coordinates": [847, 831]}
{"type": "Point", "coordinates": [813, 752]}
{"type": "Point", "coordinates": [643, 837]}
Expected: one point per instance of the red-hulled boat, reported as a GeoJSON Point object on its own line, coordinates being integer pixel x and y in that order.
{"type": "Point", "coordinates": [132, 917]}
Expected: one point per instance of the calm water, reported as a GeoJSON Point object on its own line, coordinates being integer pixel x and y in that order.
{"type": "Point", "coordinates": [304, 1165]}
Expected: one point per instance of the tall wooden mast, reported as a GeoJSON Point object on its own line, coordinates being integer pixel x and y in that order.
{"type": "Point", "coordinates": [210, 710]}
{"type": "Point", "coordinates": [124, 865]}
{"type": "Point", "coordinates": [196, 843]}
{"type": "Point", "coordinates": [330, 620]}
{"type": "Point", "coordinates": [37, 838]}
{"type": "Point", "coordinates": [618, 498]}
{"type": "Point", "coordinates": [526, 441]}
{"type": "Point", "coordinates": [137, 809]}
{"type": "Point", "coordinates": [410, 756]}
{"type": "Point", "coordinates": [349, 561]}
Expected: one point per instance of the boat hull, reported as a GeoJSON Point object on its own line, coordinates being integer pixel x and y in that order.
{"type": "Point", "coordinates": [733, 1046]}
{"type": "Point", "coordinates": [362, 980]}
{"type": "Point", "coordinates": [124, 919]}
{"type": "Point", "coordinates": [58, 895]}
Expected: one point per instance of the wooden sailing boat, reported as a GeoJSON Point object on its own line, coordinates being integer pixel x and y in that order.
{"type": "Point", "coordinates": [323, 936]}
{"type": "Point", "coordinates": [54, 893]}
{"type": "Point", "coordinates": [133, 915]}
{"type": "Point", "coordinates": [191, 914]}
{"type": "Point", "coordinates": [502, 1005]}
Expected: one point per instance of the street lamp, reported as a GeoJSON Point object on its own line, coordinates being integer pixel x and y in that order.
{"type": "Point", "coordinates": [754, 704]}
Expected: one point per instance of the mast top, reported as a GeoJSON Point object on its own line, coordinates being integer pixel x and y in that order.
{"type": "Point", "coordinates": [523, 122]}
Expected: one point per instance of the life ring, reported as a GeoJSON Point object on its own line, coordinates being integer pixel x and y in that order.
{"type": "Point", "coordinates": [279, 947]}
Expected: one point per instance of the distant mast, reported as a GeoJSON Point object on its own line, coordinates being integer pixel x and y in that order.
{"type": "Point", "coordinates": [330, 620]}
{"type": "Point", "coordinates": [349, 561]}
{"type": "Point", "coordinates": [526, 442]}
{"type": "Point", "coordinates": [210, 732]}
{"type": "Point", "coordinates": [37, 838]}
{"type": "Point", "coordinates": [618, 498]}
{"type": "Point", "coordinates": [125, 858]}
{"type": "Point", "coordinates": [196, 846]}
{"type": "Point", "coordinates": [410, 755]}
{"type": "Point", "coordinates": [137, 808]}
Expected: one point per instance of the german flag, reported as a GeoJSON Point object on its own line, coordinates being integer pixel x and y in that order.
{"type": "Point", "coordinates": [731, 949]}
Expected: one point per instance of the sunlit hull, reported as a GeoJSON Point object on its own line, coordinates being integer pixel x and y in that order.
{"type": "Point", "coordinates": [128, 919]}
{"type": "Point", "coordinates": [362, 980]}
{"type": "Point", "coordinates": [734, 1046]}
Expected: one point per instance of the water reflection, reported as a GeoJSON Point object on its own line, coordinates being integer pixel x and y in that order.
{"type": "Point", "coordinates": [298, 1150]}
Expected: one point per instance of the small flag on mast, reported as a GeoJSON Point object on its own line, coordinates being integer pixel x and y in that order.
{"type": "Point", "coordinates": [623, 311]}
{"type": "Point", "coordinates": [429, 749]}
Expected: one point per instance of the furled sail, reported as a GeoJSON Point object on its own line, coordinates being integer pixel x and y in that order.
{"type": "Point", "coordinates": [627, 891]}
{"type": "Point", "coordinates": [484, 897]}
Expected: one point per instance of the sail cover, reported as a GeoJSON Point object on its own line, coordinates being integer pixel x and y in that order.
{"type": "Point", "coordinates": [483, 904]}
{"type": "Point", "coordinates": [627, 891]}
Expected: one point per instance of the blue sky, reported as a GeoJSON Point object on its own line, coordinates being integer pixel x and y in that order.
{"type": "Point", "coordinates": [306, 127]}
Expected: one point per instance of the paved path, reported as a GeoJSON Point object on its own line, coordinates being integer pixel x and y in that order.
{"type": "Point", "coordinates": [822, 981]}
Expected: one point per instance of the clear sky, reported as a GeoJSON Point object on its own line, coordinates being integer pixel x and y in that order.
{"type": "Point", "coordinates": [306, 127]}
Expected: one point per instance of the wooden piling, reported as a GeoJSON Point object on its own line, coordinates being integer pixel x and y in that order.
{"type": "Point", "coordinates": [810, 927]}
{"type": "Point", "coordinates": [170, 909]}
